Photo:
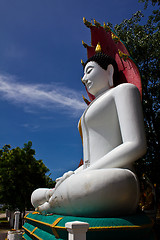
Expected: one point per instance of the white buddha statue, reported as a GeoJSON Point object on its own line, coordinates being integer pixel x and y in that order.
{"type": "Point", "coordinates": [113, 138]}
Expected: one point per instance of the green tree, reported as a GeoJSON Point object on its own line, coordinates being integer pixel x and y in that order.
{"type": "Point", "coordinates": [20, 175]}
{"type": "Point", "coordinates": [143, 42]}
{"type": "Point", "coordinates": [152, 1]}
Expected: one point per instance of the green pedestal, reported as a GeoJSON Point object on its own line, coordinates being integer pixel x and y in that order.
{"type": "Point", "coordinates": [50, 227]}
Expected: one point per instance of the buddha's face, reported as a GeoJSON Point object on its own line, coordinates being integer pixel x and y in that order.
{"type": "Point", "coordinates": [96, 79]}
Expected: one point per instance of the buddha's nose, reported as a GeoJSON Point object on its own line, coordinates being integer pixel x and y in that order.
{"type": "Point", "coordinates": [84, 80]}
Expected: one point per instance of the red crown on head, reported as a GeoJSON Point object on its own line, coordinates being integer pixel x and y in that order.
{"type": "Point", "coordinates": [106, 41]}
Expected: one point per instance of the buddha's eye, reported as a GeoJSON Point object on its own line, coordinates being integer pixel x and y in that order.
{"type": "Point", "coordinates": [89, 69]}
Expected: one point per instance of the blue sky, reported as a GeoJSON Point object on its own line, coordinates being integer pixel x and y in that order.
{"type": "Point", "coordinates": [40, 73]}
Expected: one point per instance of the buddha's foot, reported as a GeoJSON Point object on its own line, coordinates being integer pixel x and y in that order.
{"type": "Point", "coordinates": [40, 196]}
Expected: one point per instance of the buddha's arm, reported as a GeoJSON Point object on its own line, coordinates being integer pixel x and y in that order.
{"type": "Point", "coordinates": [130, 117]}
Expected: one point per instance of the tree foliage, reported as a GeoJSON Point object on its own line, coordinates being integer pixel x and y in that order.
{"type": "Point", "coordinates": [152, 1]}
{"type": "Point", "coordinates": [20, 174]}
{"type": "Point", "coordinates": [143, 42]}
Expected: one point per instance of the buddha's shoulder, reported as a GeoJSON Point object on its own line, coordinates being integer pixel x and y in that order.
{"type": "Point", "coordinates": [125, 87]}
{"type": "Point", "coordinates": [123, 92]}
{"type": "Point", "coordinates": [122, 89]}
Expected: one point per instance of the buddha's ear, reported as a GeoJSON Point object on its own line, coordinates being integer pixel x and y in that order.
{"type": "Point", "coordinates": [110, 71]}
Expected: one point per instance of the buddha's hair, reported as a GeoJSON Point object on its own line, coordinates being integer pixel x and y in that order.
{"type": "Point", "coordinates": [103, 61]}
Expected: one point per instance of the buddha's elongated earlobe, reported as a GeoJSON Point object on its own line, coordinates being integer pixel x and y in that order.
{"type": "Point", "coordinates": [110, 71]}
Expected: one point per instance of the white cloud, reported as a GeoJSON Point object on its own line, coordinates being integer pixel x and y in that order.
{"type": "Point", "coordinates": [30, 126]}
{"type": "Point", "coordinates": [46, 96]}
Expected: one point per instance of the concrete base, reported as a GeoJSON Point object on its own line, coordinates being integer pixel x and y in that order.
{"type": "Point", "coordinates": [137, 226]}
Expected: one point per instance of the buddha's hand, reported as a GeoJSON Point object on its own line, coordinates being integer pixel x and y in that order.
{"type": "Point", "coordinates": [64, 177]}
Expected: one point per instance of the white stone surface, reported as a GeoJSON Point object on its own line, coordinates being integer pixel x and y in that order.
{"type": "Point", "coordinates": [14, 235]}
{"type": "Point", "coordinates": [77, 230]}
{"type": "Point", "coordinates": [113, 138]}
{"type": "Point", "coordinates": [16, 220]}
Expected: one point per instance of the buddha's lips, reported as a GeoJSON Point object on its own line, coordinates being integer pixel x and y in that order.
{"type": "Point", "coordinates": [88, 84]}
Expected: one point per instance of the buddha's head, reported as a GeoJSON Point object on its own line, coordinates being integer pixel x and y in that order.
{"type": "Point", "coordinates": [100, 73]}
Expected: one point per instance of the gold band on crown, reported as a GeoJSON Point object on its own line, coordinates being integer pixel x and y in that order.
{"type": "Point", "coordinates": [123, 55]}
{"type": "Point", "coordinates": [98, 48]}
{"type": "Point", "coordinates": [82, 63]}
{"type": "Point", "coordinates": [84, 44]}
{"type": "Point", "coordinates": [107, 28]}
{"type": "Point", "coordinates": [97, 24]}
{"type": "Point", "coordinates": [115, 38]}
{"type": "Point", "coordinates": [88, 24]}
